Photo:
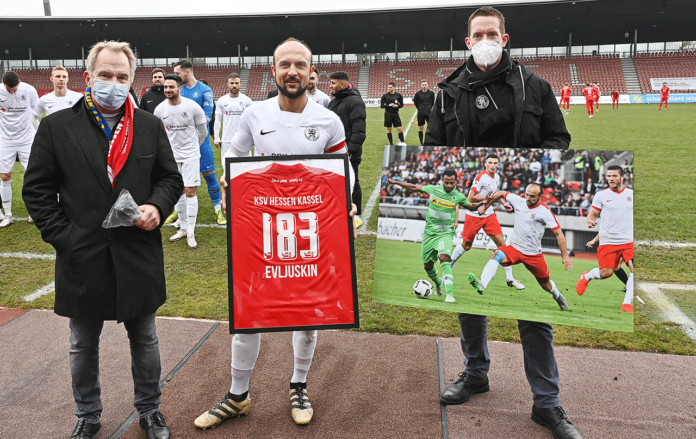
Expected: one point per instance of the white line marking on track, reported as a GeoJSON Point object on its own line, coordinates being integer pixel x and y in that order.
{"type": "Point", "coordinates": [27, 255]}
{"type": "Point", "coordinates": [367, 212]}
{"type": "Point", "coordinates": [47, 289]}
{"type": "Point", "coordinates": [667, 244]}
{"type": "Point", "coordinates": [670, 311]}
{"type": "Point", "coordinates": [408, 127]}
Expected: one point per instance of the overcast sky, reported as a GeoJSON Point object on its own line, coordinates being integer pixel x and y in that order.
{"type": "Point", "coordinates": [130, 8]}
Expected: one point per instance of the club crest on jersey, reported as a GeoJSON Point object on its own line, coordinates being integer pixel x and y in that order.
{"type": "Point", "coordinates": [311, 133]}
{"type": "Point", "coordinates": [532, 216]}
{"type": "Point", "coordinates": [482, 102]}
{"type": "Point", "coordinates": [195, 94]}
{"type": "Point", "coordinates": [629, 199]}
{"type": "Point", "coordinates": [185, 114]}
{"type": "Point", "coordinates": [23, 97]}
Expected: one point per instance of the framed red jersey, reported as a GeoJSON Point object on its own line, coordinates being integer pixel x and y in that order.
{"type": "Point", "coordinates": [291, 260]}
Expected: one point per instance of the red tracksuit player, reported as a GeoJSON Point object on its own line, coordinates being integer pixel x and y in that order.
{"type": "Point", "coordinates": [565, 98]}
{"type": "Point", "coordinates": [664, 95]}
{"type": "Point", "coordinates": [615, 100]}
{"type": "Point", "coordinates": [596, 93]}
{"type": "Point", "coordinates": [589, 99]}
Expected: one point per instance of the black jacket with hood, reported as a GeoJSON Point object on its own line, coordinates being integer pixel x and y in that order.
{"type": "Point", "coordinates": [350, 108]}
{"type": "Point", "coordinates": [537, 120]}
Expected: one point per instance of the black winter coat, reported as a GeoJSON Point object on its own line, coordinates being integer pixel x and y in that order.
{"type": "Point", "coordinates": [105, 274]}
{"type": "Point", "coordinates": [538, 122]}
{"type": "Point", "coordinates": [349, 106]}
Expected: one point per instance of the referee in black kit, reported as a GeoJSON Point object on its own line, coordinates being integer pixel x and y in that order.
{"type": "Point", "coordinates": [391, 102]}
{"type": "Point", "coordinates": [423, 100]}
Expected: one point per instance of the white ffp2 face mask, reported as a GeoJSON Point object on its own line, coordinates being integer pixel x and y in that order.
{"type": "Point", "coordinates": [486, 52]}
{"type": "Point", "coordinates": [110, 95]}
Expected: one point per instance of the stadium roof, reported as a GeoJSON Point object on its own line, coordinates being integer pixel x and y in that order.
{"type": "Point", "coordinates": [529, 25]}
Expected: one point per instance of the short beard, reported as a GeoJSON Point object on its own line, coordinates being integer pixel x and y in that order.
{"type": "Point", "coordinates": [295, 95]}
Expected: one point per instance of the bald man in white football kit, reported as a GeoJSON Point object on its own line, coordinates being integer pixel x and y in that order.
{"type": "Point", "coordinates": [289, 124]}
{"type": "Point", "coordinates": [17, 99]}
{"type": "Point", "coordinates": [228, 111]}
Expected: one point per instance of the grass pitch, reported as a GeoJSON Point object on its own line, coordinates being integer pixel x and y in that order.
{"type": "Point", "coordinates": [398, 266]}
{"type": "Point", "coordinates": [663, 145]}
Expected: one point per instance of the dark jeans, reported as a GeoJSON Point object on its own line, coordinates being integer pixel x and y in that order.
{"type": "Point", "coordinates": [539, 358]}
{"type": "Point", "coordinates": [84, 365]}
{"type": "Point", "coordinates": [357, 191]}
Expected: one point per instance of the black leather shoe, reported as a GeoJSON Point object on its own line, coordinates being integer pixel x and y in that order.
{"type": "Point", "coordinates": [84, 429]}
{"type": "Point", "coordinates": [154, 426]}
{"type": "Point", "coordinates": [462, 389]}
{"type": "Point", "coordinates": [557, 421]}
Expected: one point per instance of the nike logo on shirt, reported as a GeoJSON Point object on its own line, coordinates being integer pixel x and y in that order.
{"type": "Point", "coordinates": [150, 101]}
{"type": "Point", "coordinates": [267, 132]}
{"type": "Point", "coordinates": [165, 117]}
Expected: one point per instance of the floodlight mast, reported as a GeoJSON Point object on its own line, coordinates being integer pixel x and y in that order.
{"type": "Point", "coordinates": [47, 8]}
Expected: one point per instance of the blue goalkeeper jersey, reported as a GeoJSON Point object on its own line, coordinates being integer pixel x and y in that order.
{"type": "Point", "coordinates": [203, 96]}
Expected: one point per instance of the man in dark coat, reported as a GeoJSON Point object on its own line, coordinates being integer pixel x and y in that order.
{"type": "Point", "coordinates": [349, 106]}
{"type": "Point", "coordinates": [88, 154]}
{"type": "Point", "coordinates": [494, 102]}
{"type": "Point", "coordinates": [155, 95]}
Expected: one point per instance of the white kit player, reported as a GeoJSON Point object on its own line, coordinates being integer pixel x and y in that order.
{"type": "Point", "coordinates": [187, 128]}
{"type": "Point", "coordinates": [289, 124]}
{"type": "Point", "coordinates": [314, 93]}
{"type": "Point", "coordinates": [17, 99]}
{"type": "Point", "coordinates": [228, 111]}
{"type": "Point", "coordinates": [615, 233]}
{"type": "Point", "coordinates": [487, 182]}
{"type": "Point", "coordinates": [531, 220]}
{"type": "Point", "coordinates": [59, 99]}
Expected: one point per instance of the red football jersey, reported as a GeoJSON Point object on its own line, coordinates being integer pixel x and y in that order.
{"type": "Point", "coordinates": [566, 91]}
{"type": "Point", "coordinates": [589, 95]}
{"type": "Point", "coordinates": [291, 253]}
{"type": "Point", "coordinates": [664, 91]}
{"type": "Point", "coordinates": [595, 91]}
{"type": "Point", "coordinates": [615, 95]}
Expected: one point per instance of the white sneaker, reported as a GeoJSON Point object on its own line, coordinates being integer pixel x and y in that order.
{"type": "Point", "coordinates": [181, 234]}
{"type": "Point", "coordinates": [30, 221]}
{"type": "Point", "coordinates": [6, 222]}
{"type": "Point", "coordinates": [2, 215]}
{"type": "Point", "coordinates": [515, 283]}
{"type": "Point", "coordinates": [449, 299]}
{"type": "Point", "coordinates": [591, 117]}
{"type": "Point", "coordinates": [401, 144]}
{"type": "Point", "coordinates": [191, 240]}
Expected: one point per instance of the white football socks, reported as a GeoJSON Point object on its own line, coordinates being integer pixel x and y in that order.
{"type": "Point", "coordinates": [245, 351]}
{"type": "Point", "coordinates": [457, 253]}
{"type": "Point", "coordinates": [593, 274]}
{"type": "Point", "coordinates": [180, 208]}
{"type": "Point", "coordinates": [6, 195]}
{"type": "Point", "coordinates": [192, 213]}
{"type": "Point", "coordinates": [628, 298]}
{"type": "Point", "coordinates": [554, 291]}
{"type": "Point", "coordinates": [303, 344]}
{"type": "Point", "coordinates": [489, 272]}
{"type": "Point", "coordinates": [508, 272]}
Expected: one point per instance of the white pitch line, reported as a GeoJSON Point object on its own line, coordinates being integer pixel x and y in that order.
{"type": "Point", "coordinates": [408, 127]}
{"type": "Point", "coordinates": [671, 312]}
{"type": "Point", "coordinates": [667, 244]}
{"type": "Point", "coordinates": [47, 289]}
{"type": "Point", "coordinates": [27, 255]}
{"type": "Point", "coordinates": [369, 207]}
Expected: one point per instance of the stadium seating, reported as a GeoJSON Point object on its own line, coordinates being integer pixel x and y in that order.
{"type": "Point", "coordinates": [215, 75]}
{"type": "Point", "coordinates": [665, 65]}
{"type": "Point", "coordinates": [40, 79]}
{"type": "Point", "coordinates": [605, 69]}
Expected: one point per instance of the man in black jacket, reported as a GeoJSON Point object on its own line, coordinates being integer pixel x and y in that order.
{"type": "Point", "coordinates": [502, 103]}
{"type": "Point", "coordinates": [492, 101]}
{"type": "Point", "coordinates": [155, 95]}
{"type": "Point", "coordinates": [423, 100]}
{"type": "Point", "coordinates": [391, 102]}
{"type": "Point", "coordinates": [89, 153]}
{"type": "Point", "coordinates": [349, 106]}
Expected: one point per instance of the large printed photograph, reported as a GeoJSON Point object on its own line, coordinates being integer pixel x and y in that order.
{"type": "Point", "coordinates": [528, 234]}
{"type": "Point", "coordinates": [290, 244]}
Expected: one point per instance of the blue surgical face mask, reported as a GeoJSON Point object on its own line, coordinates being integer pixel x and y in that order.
{"type": "Point", "coordinates": [109, 95]}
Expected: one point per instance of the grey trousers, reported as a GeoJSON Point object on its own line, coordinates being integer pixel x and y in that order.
{"type": "Point", "coordinates": [539, 358]}
{"type": "Point", "coordinates": [84, 365]}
